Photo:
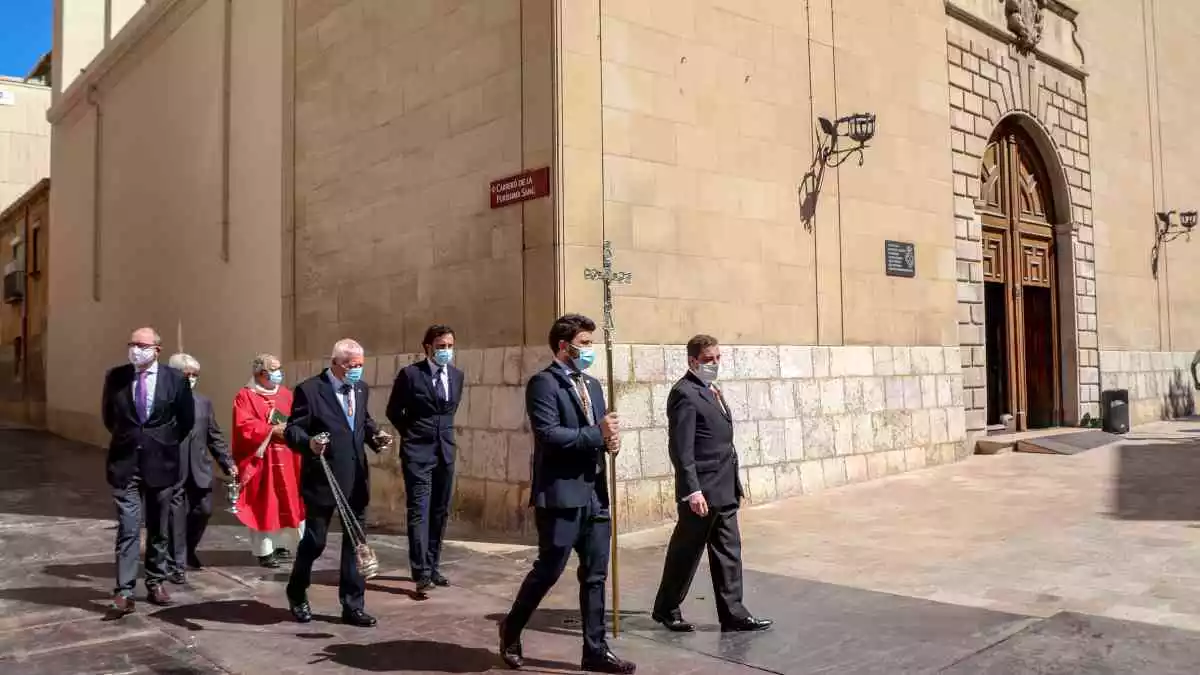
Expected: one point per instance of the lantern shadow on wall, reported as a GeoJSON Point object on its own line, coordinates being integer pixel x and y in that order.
{"type": "Point", "coordinates": [832, 150]}
{"type": "Point", "coordinates": [1166, 231]}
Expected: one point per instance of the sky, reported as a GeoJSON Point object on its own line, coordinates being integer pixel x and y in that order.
{"type": "Point", "coordinates": [25, 34]}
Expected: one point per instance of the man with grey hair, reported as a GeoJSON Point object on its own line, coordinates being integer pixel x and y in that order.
{"type": "Point", "coordinates": [191, 505]}
{"type": "Point", "coordinates": [335, 402]}
{"type": "Point", "coordinates": [149, 411]}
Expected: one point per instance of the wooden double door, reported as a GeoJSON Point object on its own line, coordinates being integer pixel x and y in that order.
{"type": "Point", "coordinates": [1020, 289]}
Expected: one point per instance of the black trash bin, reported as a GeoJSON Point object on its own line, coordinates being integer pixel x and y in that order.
{"type": "Point", "coordinates": [1114, 410]}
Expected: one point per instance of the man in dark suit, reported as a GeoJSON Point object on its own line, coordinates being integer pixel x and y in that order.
{"type": "Point", "coordinates": [708, 490]}
{"type": "Point", "coordinates": [334, 402]}
{"type": "Point", "coordinates": [424, 398]}
{"type": "Point", "coordinates": [571, 431]}
{"type": "Point", "coordinates": [191, 505]}
{"type": "Point", "coordinates": [148, 409]}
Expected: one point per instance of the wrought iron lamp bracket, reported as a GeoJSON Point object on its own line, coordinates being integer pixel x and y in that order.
{"type": "Point", "coordinates": [858, 128]}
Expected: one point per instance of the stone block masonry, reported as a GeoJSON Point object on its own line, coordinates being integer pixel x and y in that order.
{"type": "Point", "coordinates": [805, 419]}
{"type": "Point", "coordinates": [1159, 383]}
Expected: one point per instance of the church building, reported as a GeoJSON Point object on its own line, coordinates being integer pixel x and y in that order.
{"type": "Point", "coordinates": [911, 223]}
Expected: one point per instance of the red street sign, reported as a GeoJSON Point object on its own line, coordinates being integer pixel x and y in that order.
{"type": "Point", "coordinates": [522, 187]}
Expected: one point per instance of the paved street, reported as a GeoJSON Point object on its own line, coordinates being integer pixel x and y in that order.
{"type": "Point", "coordinates": [1006, 564]}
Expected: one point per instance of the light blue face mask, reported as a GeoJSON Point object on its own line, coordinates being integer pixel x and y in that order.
{"type": "Point", "coordinates": [583, 357]}
{"type": "Point", "coordinates": [443, 357]}
{"type": "Point", "coordinates": [354, 375]}
{"type": "Point", "coordinates": [275, 376]}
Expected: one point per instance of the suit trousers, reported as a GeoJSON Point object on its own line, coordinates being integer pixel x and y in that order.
{"type": "Point", "coordinates": [191, 509]}
{"type": "Point", "coordinates": [134, 501]}
{"type": "Point", "coordinates": [428, 488]}
{"type": "Point", "coordinates": [718, 533]}
{"type": "Point", "coordinates": [352, 587]}
{"type": "Point", "coordinates": [560, 531]}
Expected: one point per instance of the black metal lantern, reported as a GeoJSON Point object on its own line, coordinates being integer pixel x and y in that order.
{"type": "Point", "coordinates": [858, 127]}
{"type": "Point", "coordinates": [1167, 230]}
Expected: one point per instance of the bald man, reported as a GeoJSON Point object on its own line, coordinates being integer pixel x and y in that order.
{"type": "Point", "coordinates": [148, 409]}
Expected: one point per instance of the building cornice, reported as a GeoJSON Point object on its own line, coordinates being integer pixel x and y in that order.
{"type": "Point", "coordinates": [986, 27]}
{"type": "Point", "coordinates": [142, 24]}
{"type": "Point", "coordinates": [32, 193]}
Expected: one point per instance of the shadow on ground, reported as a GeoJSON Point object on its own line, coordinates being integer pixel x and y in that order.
{"type": "Point", "coordinates": [239, 612]}
{"type": "Point", "coordinates": [424, 656]}
{"type": "Point", "coordinates": [1157, 481]}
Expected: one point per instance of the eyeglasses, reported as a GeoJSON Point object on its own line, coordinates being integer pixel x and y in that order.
{"type": "Point", "coordinates": [142, 345]}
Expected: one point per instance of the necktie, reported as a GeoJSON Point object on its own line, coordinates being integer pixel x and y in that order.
{"type": "Point", "coordinates": [140, 395]}
{"type": "Point", "coordinates": [581, 389]}
{"type": "Point", "coordinates": [439, 387]}
{"type": "Point", "coordinates": [348, 393]}
{"type": "Point", "coordinates": [720, 399]}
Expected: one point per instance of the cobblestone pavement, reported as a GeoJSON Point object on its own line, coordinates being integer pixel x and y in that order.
{"type": "Point", "coordinates": [1005, 564]}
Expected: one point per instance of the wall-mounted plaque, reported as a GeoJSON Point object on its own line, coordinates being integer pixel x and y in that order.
{"type": "Point", "coordinates": [900, 258]}
{"type": "Point", "coordinates": [522, 187]}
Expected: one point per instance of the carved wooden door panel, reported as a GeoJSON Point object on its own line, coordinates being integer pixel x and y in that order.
{"type": "Point", "coordinates": [1018, 252]}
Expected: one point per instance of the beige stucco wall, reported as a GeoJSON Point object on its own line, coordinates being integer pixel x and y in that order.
{"type": "Point", "coordinates": [82, 28]}
{"type": "Point", "coordinates": [1143, 106]}
{"type": "Point", "coordinates": [698, 119]}
{"type": "Point", "coordinates": [160, 260]}
{"type": "Point", "coordinates": [24, 139]}
{"type": "Point", "coordinates": [403, 117]}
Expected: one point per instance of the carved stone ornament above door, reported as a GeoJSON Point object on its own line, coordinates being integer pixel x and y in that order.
{"type": "Point", "coordinates": [1026, 21]}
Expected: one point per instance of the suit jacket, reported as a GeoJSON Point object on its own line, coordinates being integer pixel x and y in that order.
{"type": "Point", "coordinates": [206, 438]}
{"type": "Point", "coordinates": [149, 450]}
{"type": "Point", "coordinates": [568, 453]}
{"type": "Point", "coordinates": [316, 409]}
{"type": "Point", "coordinates": [700, 443]}
{"type": "Point", "coordinates": [424, 421]}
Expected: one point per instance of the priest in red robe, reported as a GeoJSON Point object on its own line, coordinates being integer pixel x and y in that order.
{"type": "Point", "coordinates": [269, 503]}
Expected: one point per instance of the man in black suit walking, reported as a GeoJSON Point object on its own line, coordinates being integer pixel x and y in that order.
{"type": "Point", "coordinates": [424, 398]}
{"type": "Point", "coordinates": [191, 506]}
{"type": "Point", "coordinates": [708, 490]}
{"type": "Point", "coordinates": [148, 409]}
{"type": "Point", "coordinates": [333, 402]}
{"type": "Point", "coordinates": [571, 431]}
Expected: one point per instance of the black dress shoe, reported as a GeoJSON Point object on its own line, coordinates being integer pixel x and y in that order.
{"type": "Point", "coordinates": [177, 577]}
{"type": "Point", "coordinates": [283, 554]}
{"type": "Point", "coordinates": [675, 624]}
{"type": "Point", "coordinates": [301, 611]}
{"type": "Point", "coordinates": [510, 650]}
{"type": "Point", "coordinates": [268, 561]}
{"type": "Point", "coordinates": [746, 624]}
{"type": "Point", "coordinates": [607, 662]}
{"type": "Point", "coordinates": [439, 580]}
{"type": "Point", "coordinates": [359, 618]}
{"type": "Point", "coordinates": [424, 584]}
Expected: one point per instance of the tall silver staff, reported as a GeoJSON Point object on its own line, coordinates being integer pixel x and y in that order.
{"type": "Point", "coordinates": [606, 276]}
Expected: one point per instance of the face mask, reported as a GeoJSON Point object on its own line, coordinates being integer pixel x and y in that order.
{"type": "Point", "coordinates": [583, 357]}
{"type": "Point", "coordinates": [192, 381]}
{"type": "Point", "coordinates": [354, 375]}
{"type": "Point", "coordinates": [443, 357]}
{"type": "Point", "coordinates": [708, 372]}
{"type": "Point", "coordinates": [142, 356]}
{"type": "Point", "coordinates": [275, 376]}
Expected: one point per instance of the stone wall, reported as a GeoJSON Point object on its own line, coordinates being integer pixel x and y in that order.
{"type": "Point", "coordinates": [1159, 383]}
{"type": "Point", "coordinates": [806, 418]}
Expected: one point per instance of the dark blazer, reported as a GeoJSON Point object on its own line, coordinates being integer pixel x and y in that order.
{"type": "Point", "coordinates": [424, 421]}
{"type": "Point", "coordinates": [149, 450]}
{"type": "Point", "coordinates": [568, 454]}
{"type": "Point", "coordinates": [206, 438]}
{"type": "Point", "coordinates": [316, 409]}
{"type": "Point", "coordinates": [700, 443]}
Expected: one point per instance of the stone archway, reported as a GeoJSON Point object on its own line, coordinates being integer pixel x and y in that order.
{"type": "Point", "coordinates": [993, 86]}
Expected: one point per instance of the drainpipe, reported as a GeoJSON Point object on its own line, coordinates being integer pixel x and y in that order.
{"type": "Point", "coordinates": [25, 320]}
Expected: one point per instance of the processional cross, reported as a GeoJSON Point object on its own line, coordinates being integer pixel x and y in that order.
{"type": "Point", "coordinates": [606, 276]}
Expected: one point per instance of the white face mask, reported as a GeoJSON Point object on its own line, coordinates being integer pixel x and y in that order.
{"type": "Point", "coordinates": [192, 380]}
{"type": "Point", "coordinates": [708, 372]}
{"type": "Point", "coordinates": [142, 356]}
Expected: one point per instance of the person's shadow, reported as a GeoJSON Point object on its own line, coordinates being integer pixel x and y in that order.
{"type": "Point", "coordinates": [241, 612]}
{"type": "Point", "coordinates": [568, 621]}
{"type": "Point", "coordinates": [424, 656]}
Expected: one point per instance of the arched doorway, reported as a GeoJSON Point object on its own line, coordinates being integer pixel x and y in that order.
{"type": "Point", "coordinates": [1020, 291]}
